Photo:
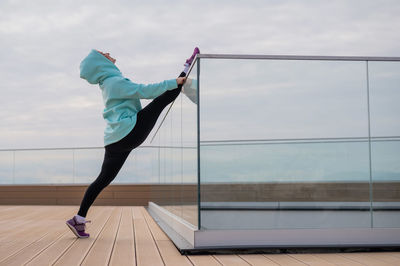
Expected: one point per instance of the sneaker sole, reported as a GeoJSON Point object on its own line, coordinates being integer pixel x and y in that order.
{"type": "Point", "coordinates": [74, 231]}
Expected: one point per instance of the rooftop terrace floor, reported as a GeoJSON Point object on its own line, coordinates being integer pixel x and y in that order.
{"type": "Point", "coordinates": [37, 235]}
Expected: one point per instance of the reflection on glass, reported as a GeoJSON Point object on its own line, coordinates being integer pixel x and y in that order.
{"type": "Point", "coordinates": [6, 167]}
{"type": "Point", "coordinates": [384, 91]}
{"type": "Point", "coordinates": [141, 167]}
{"type": "Point", "coordinates": [282, 99]}
{"type": "Point", "coordinates": [335, 161]}
{"type": "Point", "coordinates": [285, 185]}
{"type": "Point", "coordinates": [250, 181]}
{"type": "Point", "coordinates": [87, 164]}
{"type": "Point", "coordinates": [43, 166]}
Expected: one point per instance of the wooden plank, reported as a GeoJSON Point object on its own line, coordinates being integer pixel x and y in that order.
{"type": "Point", "coordinates": [311, 259]}
{"type": "Point", "coordinates": [146, 249]}
{"type": "Point", "coordinates": [284, 259]}
{"type": "Point", "coordinates": [385, 257]}
{"type": "Point", "coordinates": [170, 254]}
{"type": "Point", "coordinates": [77, 251]}
{"type": "Point", "coordinates": [27, 247]}
{"type": "Point", "coordinates": [27, 194]}
{"type": "Point", "coordinates": [100, 252]}
{"type": "Point", "coordinates": [14, 217]}
{"type": "Point", "coordinates": [124, 248]}
{"type": "Point", "coordinates": [158, 234]}
{"type": "Point", "coordinates": [231, 260]}
{"type": "Point", "coordinates": [27, 253]}
{"type": "Point", "coordinates": [396, 254]}
{"type": "Point", "coordinates": [25, 226]}
{"type": "Point", "coordinates": [51, 253]}
{"type": "Point", "coordinates": [17, 219]}
{"type": "Point", "coordinates": [121, 202]}
{"type": "Point", "coordinates": [258, 260]}
{"type": "Point", "coordinates": [4, 188]}
{"type": "Point", "coordinates": [50, 194]}
{"type": "Point", "coordinates": [337, 259]}
{"type": "Point", "coordinates": [7, 208]}
{"type": "Point", "coordinates": [365, 260]}
{"type": "Point", "coordinates": [29, 201]}
{"type": "Point", "coordinates": [167, 249]}
{"type": "Point", "coordinates": [203, 260]}
{"type": "Point", "coordinates": [13, 227]}
{"type": "Point", "coordinates": [42, 246]}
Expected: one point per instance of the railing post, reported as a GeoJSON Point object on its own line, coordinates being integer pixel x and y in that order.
{"type": "Point", "coordinates": [198, 146]}
{"type": "Point", "coordinates": [13, 171]}
{"type": "Point", "coordinates": [371, 198]}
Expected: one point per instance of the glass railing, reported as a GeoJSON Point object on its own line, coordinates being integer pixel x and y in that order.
{"type": "Point", "coordinates": [75, 166]}
{"type": "Point", "coordinates": [298, 142]}
{"type": "Point", "coordinates": [178, 158]}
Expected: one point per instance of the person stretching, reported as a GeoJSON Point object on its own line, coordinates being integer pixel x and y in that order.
{"type": "Point", "coordinates": [128, 124]}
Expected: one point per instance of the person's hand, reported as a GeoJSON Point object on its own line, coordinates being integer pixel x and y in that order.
{"type": "Point", "coordinates": [180, 80]}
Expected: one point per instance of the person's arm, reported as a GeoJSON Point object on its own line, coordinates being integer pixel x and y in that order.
{"type": "Point", "coordinates": [128, 89]}
{"type": "Point", "coordinates": [124, 88]}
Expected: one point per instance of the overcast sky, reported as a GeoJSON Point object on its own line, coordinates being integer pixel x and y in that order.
{"type": "Point", "coordinates": [44, 103]}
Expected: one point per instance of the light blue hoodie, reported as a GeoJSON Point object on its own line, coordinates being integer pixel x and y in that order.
{"type": "Point", "coordinates": [120, 95]}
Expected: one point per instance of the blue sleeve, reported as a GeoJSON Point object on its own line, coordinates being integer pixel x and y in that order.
{"type": "Point", "coordinates": [124, 88]}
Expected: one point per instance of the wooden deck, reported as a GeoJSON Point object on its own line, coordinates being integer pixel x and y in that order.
{"type": "Point", "coordinates": [37, 235]}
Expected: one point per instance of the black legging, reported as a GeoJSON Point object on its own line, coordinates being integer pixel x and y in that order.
{"type": "Point", "coordinates": [116, 153]}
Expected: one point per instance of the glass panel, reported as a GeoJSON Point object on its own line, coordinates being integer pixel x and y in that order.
{"type": "Point", "coordinates": [176, 142]}
{"type": "Point", "coordinates": [87, 164]}
{"type": "Point", "coordinates": [384, 89]}
{"type": "Point", "coordinates": [282, 99]}
{"type": "Point", "coordinates": [80, 166]}
{"type": "Point", "coordinates": [43, 166]}
{"type": "Point", "coordinates": [284, 144]}
{"type": "Point", "coordinates": [6, 167]}
{"type": "Point", "coordinates": [189, 148]}
{"type": "Point", "coordinates": [141, 167]}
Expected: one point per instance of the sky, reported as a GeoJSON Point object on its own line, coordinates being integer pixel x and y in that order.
{"type": "Point", "coordinates": [44, 103]}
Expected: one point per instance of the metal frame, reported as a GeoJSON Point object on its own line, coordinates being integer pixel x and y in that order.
{"type": "Point", "coordinates": [198, 148]}
{"type": "Point", "coordinates": [284, 238]}
{"type": "Point", "coordinates": [299, 57]}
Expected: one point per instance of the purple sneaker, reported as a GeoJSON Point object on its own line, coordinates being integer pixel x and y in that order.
{"type": "Point", "coordinates": [78, 228]}
{"type": "Point", "coordinates": [195, 52]}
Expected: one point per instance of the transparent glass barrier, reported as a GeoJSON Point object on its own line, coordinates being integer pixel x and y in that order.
{"type": "Point", "coordinates": [384, 88]}
{"type": "Point", "coordinates": [76, 166]}
{"type": "Point", "coordinates": [284, 144]}
{"type": "Point", "coordinates": [7, 167]}
{"type": "Point", "coordinates": [43, 166]}
{"type": "Point", "coordinates": [141, 167]}
{"type": "Point", "coordinates": [177, 150]}
{"type": "Point", "coordinates": [87, 165]}
{"type": "Point", "coordinates": [190, 147]}
{"type": "Point", "coordinates": [282, 99]}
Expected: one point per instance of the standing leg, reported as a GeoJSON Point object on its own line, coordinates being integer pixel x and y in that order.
{"type": "Point", "coordinates": [116, 153]}
{"type": "Point", "coordinates": [112, 163]}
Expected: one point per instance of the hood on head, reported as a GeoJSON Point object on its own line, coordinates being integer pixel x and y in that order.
{"type": "Point", "coordinates": [95, 68]}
